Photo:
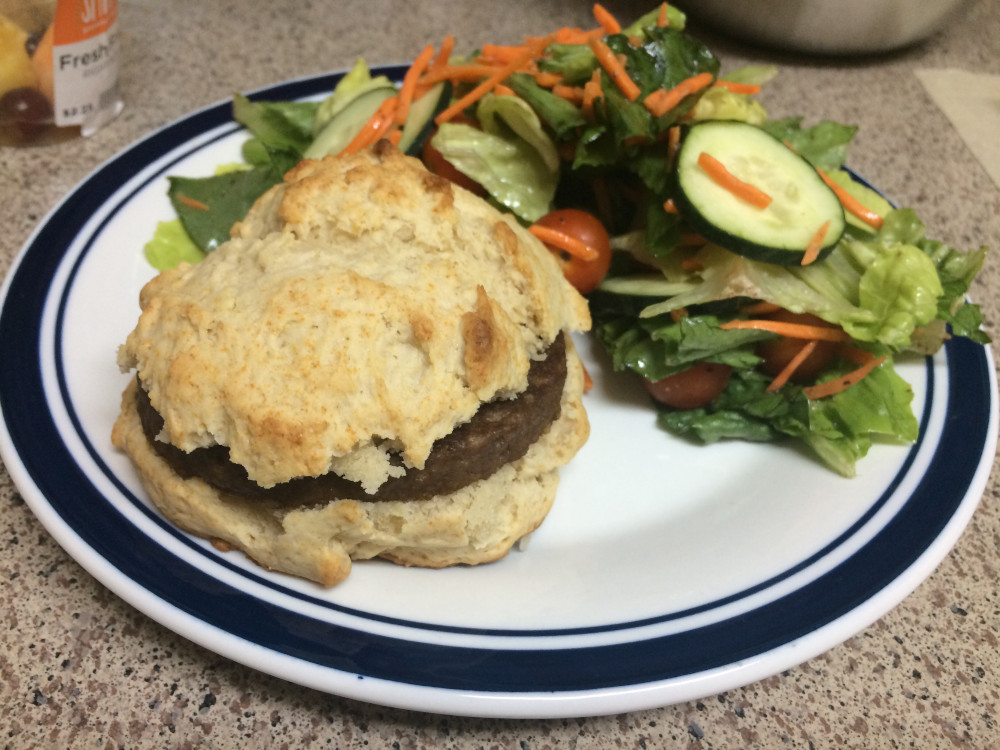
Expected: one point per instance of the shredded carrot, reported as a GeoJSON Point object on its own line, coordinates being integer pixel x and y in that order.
{"type": "Point", "coordinates": [854, 354]}
{"type": "Point", "coordinates": [789, 330]}
{"type": "Point", "coordinates": [591, 92]}
{"type": "Point", "coordinates": [662, 19]}
{"type": "Point", "coordinates": [570, 93]}
{"type": "Point", "coordinates": [192, 202]}
{"type": "Point", "coordinates": [726, 179]}
{"type": "Point", "coordinates": [793, 364]}
{"type": "Point", "coordinates": [660, 103]}
{"type": "Point", "coordinates": [761, 308]}
{"type": "Point", "coordinates": [669, 206]}
{"type": "Point", "coordinates": [502, 53]}
{"type": "Point", "coordinates": [395, 136]}
{"type": "Point", "coordinates": [563, 241]}
{"type": "Point", "coordinates": [692, 264]}
{"type": "Point", "coordinates": [502, 90]}
{"type": "Point", "coordinates": [463, 73]}
{"type": "Point", "coordinates": [815, 244]}
{"type": "Point", "coordinates": [739, 88]}
{"type": "Point", "coordinates": [678, 314]}
{"type": "Point", "coordinates": [673, 143]}
{"type": "Point", "coordinates": [570, 35]}
{"type": "Point", "coordinates": [588, 382]}
{"type": "Point", "coordinates": [534, 48]}
{"type": "Point", "coordinates": [410, 83]}
{"type": "Point", "coordinates": [375, 128]}
{"type": "Point", "coordinates": [634, 40]}
{"type": "Point", "coordinates": [835, 386]}
{"type": "Point", "coordinates": [548, 80]}
{"type": "Point", "coordinates": [614, 68]}
{"type": "Point", "coordinates": [444, 54]}
{"type": "Point", "coordinates": [851, 203]}
{"type": "Point", "coordinates": [607, 21]}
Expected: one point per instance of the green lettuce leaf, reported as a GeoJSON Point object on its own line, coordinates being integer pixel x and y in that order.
{"type": "Point", "coordinates": [170, 246]}
{"type": "Point", "coordinates": [824, 145]}
{"type": "Point", "coordinates": [209, 206]}
{"type": "Point", "coordinates": [563, 117]}
{"type": "Point", "coordinates": [512, 156]}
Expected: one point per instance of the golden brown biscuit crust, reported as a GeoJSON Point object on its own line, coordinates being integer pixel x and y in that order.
{"type": "Point", "coordinates": [368, 305]}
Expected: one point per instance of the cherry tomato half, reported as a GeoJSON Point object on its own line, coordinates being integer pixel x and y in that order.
{"type": "Point", "coordinates": [585, 275]}
{"type": "Point", "coordinates": [690, 388]}
{"type": "Point", "coordinates": [778, 353]}
{"type": "Point", "coordinates": [434, 160]}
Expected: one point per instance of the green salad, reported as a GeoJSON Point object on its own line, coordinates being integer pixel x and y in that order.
{"type": "Point", "coordinates": [756, 287]}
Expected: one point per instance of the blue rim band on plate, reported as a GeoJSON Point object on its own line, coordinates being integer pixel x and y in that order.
{"type": "Point", "coordinates": [52, 468]}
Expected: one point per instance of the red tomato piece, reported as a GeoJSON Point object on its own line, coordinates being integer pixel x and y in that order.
{"type": "Point", "coordinates": [690, 388]}
{"type": "Point", "coordinates": [585, 275]}
{"type": "Point", "coordinates": [778, 353]}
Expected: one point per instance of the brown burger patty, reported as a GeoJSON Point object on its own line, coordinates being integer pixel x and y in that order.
{"type": "Point", "coordinates": [501, 431]}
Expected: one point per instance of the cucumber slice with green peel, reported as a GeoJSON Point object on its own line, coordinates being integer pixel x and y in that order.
{"type": "Point", "coordinates": [800, 202]}
{"type": "Point", "coordinates": [347, 123]}
{"type": "Point", "coordinates": [420, 119]}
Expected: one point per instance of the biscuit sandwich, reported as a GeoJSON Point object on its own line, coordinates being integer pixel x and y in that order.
{"type": "Point", "coordinates": [376, 364]}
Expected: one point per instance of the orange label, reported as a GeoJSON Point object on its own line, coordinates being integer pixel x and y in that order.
{"type": "Point", "coordinates": [79, 20]}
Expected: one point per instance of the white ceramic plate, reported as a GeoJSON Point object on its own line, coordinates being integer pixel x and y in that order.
{"type": "Point", "coordinates": [665, 572]}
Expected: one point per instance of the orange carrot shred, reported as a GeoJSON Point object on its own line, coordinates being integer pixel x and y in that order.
{"type": "Point", "coordinates": [607, 21]}
{"type": "Point", "coordinates": [502, 53]}
{"type": "Point", "coordinates": [678, 314]}
{"type": "Point", "coordinates": [673, 143]}
{"type": "Point", "coordinates": [591, 92]}
{"type": "Point", "coordinates": [739, 88]}
{"type": "Point", "coordinates": [470, 72]}
{"type": "Point", "coordinates": [726, 179]}
{"type": "Point", "coordinates": [662, 19]}
{"type": "Point", "coordinates": [548, 80]}
{"type": "Point", "coordinates": [659, 104]}
{"type": "Point", "coordinates": [761, 308]}
{"type": "Point", "coordinates": [192, 202]}
{"type": "Point", "coordinates": [444, 54]}
{"type": "Point", "coordinates": [502, 90]}
{"type": "Point", "coordinates": [563, 241]}
{"type": "Point", "coordinates": [851, 203]}
{"type": "Point", "coordinates": [409, 84]}
{"type": "Point", "coordinates": [789, 330]}
{"type": "Point", "coordinates": [669, 206]}
{"type": "Point", "coordinates": [570, 93]}
{"type": "Point", "coordinates": [375, 128]}
{"type": "Point", "coordinates": [835, 386]}
{"type": "Point", "coordinates": [815, 244]}
{"type": "Point", "coordinates": [395, 136]}
{"type": "Point", "coordinates": [793, 364]}
{"type": "Point", "coordinates": [588, 381]}
{"type": "Point", "coordinates": [615, 69]}
{"type": "Point", "coordinates": [568, 35]}
{"type": "Point", "coordinates": [534, 48]}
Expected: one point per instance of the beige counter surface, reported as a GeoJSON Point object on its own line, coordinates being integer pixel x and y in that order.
{"type": "Point", "coordinates": [81, 668]}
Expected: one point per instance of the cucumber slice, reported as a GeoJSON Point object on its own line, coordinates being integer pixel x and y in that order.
{"type": "Point", "coordinates": [420, 119]}
{"type": "Point", "coordinates": [800, 201]}
{"type": "Point", "coordinates": [347, 123]}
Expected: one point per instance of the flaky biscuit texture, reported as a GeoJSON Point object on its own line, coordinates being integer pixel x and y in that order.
{"type": "Point", "coordinates": [364, 306]}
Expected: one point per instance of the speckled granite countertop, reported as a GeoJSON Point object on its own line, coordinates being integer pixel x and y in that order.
{"type": "Point", "coordinates": [80, 668]}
